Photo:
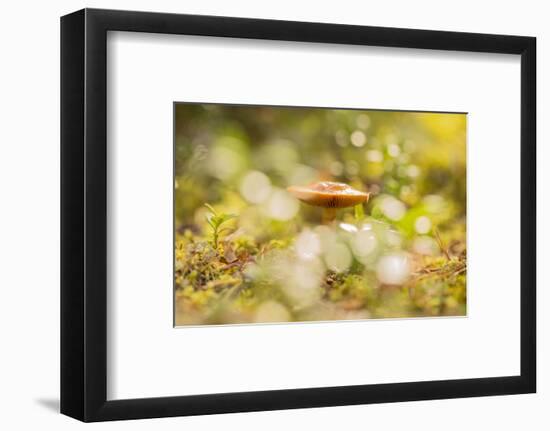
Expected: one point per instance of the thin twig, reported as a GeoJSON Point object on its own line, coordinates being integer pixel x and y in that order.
{"type": "Point", "coordinates": [440, 244]}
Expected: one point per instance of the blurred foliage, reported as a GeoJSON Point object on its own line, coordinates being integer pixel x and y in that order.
{"type": "Point", "coordinates": [256, 254]}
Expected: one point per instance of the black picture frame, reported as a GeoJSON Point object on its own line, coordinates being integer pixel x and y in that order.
{"type": "Point", "coordinates": [84, 214]}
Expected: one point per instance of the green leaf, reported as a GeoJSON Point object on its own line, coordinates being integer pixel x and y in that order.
{"type": "Point", "coordinates": [225, 229]}
{"type": "Point", "coordinates": [208, 218]}
{"type": "Point", "coordinates": [225, 217]}
{"type": "Point", "coordinates": [211, 209]}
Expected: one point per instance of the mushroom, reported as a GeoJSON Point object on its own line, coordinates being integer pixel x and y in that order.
{"type": "Point", "coordinates": [330, 196]}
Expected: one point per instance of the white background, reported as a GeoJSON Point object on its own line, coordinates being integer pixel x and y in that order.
{"type": "Point", "coordinates": [29, 232]}
{"type": "Point", "coordinates": [148, 72]}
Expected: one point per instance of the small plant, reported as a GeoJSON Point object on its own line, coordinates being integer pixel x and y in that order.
{"type": "Point", "coordinates": [216, 220]}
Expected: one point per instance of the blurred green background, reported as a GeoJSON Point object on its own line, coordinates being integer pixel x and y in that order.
{"type": "Point", "coordinates": [403, 254]}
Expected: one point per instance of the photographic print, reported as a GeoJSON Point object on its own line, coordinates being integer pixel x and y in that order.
{"type": "Point", "coordinates": [291, 214]}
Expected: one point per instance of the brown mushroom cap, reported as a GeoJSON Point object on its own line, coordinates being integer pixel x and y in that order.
{"type": "Point", "coordinates": [328, 194]}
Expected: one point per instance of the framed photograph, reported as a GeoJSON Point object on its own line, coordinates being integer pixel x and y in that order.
{"type": "Point", "coordinates": [261, 215]}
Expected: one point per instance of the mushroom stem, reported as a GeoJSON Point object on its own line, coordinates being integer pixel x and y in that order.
{"type": "Point", "coordinates": [328, 215]}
